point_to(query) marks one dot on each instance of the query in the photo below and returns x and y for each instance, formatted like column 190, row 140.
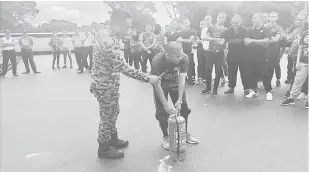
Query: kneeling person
column 175, row 65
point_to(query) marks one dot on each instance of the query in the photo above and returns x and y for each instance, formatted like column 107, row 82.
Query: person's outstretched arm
column 106, row 51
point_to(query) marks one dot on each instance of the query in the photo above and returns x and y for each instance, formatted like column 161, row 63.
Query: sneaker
column 278, row 83
column 53, row 68
column 37, row 72
column 206, row 91
column 252, row 94
column 229, row 91
column 58, row 67
column 306, row 106
column 269, row 96
column 165, row 143
column 26, row 72
column 288, row 102
column 287, row 94
column 65, row 66
column 302, row 96
column 246, row 92
column 214, row 92
column 15, row 74
column 191, row 139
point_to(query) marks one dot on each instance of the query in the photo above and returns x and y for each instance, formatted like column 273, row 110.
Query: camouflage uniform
column 107, row 65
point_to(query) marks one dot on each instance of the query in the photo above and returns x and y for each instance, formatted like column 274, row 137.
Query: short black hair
column 119, row 15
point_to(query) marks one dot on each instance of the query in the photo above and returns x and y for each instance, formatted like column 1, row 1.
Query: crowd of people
column 254, row 51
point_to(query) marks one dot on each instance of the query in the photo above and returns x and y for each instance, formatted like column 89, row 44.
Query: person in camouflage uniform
column 107, row 65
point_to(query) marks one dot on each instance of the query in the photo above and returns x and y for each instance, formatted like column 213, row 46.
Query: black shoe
column 107, row 151
column 288, row 102
column 288, row 81
column 278, row 83
column 80, row 72
column 229, row 91
column 206, row 91
column 118, row 143
column 71, row 67
column 287, row 94
column 53, row 68
column 306, row 106
column 15, row 74
column 65, row 66
column 214, row 92
column 26, row 72
column 37, row 72
column 58, row 67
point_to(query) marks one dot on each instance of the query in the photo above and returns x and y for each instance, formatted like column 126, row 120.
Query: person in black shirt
column 186, row 38
column 234, row 36
column 257, row 42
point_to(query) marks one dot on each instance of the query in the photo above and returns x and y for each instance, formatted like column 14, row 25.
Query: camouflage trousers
column 108, row 116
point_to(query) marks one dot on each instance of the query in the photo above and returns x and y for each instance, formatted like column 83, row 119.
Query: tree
column 141, row 12
column 13, row 13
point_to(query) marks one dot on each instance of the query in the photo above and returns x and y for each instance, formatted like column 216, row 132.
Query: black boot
column 117, row 143
column 109, row 152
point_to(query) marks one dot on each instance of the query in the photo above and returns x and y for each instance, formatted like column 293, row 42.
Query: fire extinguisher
column 177, row 137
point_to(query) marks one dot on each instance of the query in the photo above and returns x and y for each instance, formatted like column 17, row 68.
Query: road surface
column 49, row 123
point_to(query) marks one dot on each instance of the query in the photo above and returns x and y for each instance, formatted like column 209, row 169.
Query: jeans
column 290, row 68
column 56, row 55
column 65, row 54
column 127, row 56
column 137, row 59
column 299, row 80
column 201, row 58
column 9, row 55
column 78, row 51
column 145, row 58
column 215, row 58
column 27, row 56
column 88, row 51
column 191, row 67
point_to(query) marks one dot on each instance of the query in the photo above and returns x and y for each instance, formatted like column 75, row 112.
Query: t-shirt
column 304, row 51
column 295, row 38
column 187, row 47
column 55, row 42
column 236, row 50
column 77, row 41
column 66, row 43
column 147, row 38
column 215, row 32
column 8, row 41
column 160, row 64
column 255, row 52
column 26, row 42
column 274, row 48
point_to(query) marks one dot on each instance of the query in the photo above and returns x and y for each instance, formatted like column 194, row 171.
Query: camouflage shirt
column 108, row 63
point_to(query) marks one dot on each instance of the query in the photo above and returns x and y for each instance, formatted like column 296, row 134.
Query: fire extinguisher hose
column 178, row 136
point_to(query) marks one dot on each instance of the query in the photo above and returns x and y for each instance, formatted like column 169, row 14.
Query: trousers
column 299, row 80
column 65, row 54
column 232, row 70
column 257, row 70
column 162, row 116
column 27, row 56
column 215, row 58
column 9, row 55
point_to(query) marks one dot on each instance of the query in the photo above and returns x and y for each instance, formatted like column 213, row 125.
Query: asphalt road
column 49, row 123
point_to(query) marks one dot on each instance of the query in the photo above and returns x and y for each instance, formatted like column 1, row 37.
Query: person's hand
column 247, row 41
column 154, row 80
column 178, row 106
column 298, row 66
column 148, row 51
column 170, row 109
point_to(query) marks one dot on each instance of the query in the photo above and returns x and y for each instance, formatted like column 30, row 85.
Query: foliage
column 141, row 11
column 14, row 13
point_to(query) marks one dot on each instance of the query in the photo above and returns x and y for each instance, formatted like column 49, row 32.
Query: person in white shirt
column 8, row 51
column 66, row 49
column 78, row 50
column 88, row 41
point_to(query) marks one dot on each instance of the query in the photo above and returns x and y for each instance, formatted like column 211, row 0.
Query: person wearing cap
column 26, row 44
column 175, row 64
column 8, row 51
column 107, row 65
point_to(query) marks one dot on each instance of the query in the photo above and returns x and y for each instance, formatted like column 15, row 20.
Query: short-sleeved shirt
column 215, row 32
column 235, row 50
column 295, row 38
column 26, row 42
column 66, row 43
column 55, row 42
column 255, row 52
column 147, row 38
column 160, row 64
column 274, row 48
column 187, row 47
column 304, row 51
